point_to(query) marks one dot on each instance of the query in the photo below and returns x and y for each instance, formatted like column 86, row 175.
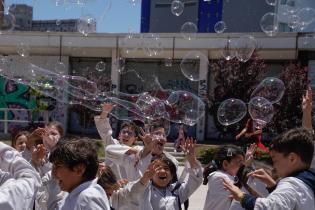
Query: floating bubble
column 293, row 21
column 179, row 107
column 189, row 31
column 86, row 25
column 228, row 52
column 245, row 46
column 8, row 156
column 119, row 64
column 23, row 49
column 220, row 27
column 191, row 64
column 306, row 16
column 128, row 43
column 152, row 44
column 168, row 62
column 100, row 66
column 261, row 111
column 231, row 111
column 271, row 2
column 151, row 107
column 58, row 22
column 60, row 68
column 8, row 22
column 269, row 23
column 270, row 88
column 177, row 7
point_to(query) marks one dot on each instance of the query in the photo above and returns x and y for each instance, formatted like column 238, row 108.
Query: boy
column 127, row 137
column 18, row 180
column 292, row 154
column 75, row 166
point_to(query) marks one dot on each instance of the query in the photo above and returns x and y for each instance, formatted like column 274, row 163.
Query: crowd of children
column 47, row 172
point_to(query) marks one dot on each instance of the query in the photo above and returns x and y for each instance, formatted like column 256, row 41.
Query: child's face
column 67, row 178
column 127, row 136
column 163, row 177
column 52, row 137
column 20, row 143
column 281, row 163
column 159, row 140
column 232, row 167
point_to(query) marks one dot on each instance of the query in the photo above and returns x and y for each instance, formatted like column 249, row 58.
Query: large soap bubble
column 245, row 46
column 177, row 7
column 231, row 111
column 189, row 31
column 220, row 27
column 261, row 111
column 306, row 16
column 191, row 64
column 270, row 88
column 129, row 43
column 269, row 23
column 228, row 52
column 151, row 107
column 8, row 22
column 86, row 25
column 152, row 44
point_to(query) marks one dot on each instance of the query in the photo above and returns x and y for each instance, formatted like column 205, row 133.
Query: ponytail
column 225, row 152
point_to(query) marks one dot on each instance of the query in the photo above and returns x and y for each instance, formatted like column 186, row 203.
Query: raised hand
column 307, row 100
column 38, row 155
column 106, row 108
column 145, row 137
column 37, row 134
column 249, row 156
column 152, row 169
column 262, row 175
column 188, row 146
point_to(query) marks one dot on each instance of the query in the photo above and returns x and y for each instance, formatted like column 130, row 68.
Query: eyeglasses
column 127, row 132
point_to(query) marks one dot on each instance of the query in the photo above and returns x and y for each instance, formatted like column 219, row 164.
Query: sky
column 112, row 16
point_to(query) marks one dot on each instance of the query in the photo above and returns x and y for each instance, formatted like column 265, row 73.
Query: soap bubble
column 86, row 25
column 100, row 66
column 220, row 27
column 189, row 31
column 191, row 64
column 231, row 111
column 261, row 111
column 177, row 7
column 245, row 46
column 269, row 23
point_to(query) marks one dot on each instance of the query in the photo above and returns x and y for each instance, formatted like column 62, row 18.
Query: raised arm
column 307, row 105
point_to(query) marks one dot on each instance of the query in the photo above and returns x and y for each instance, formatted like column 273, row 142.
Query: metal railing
column 6, row 121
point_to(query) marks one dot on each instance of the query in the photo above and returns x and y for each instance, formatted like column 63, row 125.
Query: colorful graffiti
column 15, row 96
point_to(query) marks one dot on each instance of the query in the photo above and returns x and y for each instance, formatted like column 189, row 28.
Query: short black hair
column 72, row 153
column 170, row 164
column 131, row 126
column 298, row 141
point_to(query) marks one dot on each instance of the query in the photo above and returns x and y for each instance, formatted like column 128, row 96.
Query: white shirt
column 87, row 196
column 18, row 190
column 291, row 193
column 218, row 197
column 155, row 199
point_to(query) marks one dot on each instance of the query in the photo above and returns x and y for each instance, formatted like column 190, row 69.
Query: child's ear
column 225, row 164
column 293, row 157
column 79, row 169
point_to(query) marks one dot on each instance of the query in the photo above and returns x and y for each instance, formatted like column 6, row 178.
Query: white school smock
column 153, row 199
column 18, row 191
column 128, row 197
column 87, row 196
column 105, row 131
column 291, row 193
column 133, row 166
column 218, row 197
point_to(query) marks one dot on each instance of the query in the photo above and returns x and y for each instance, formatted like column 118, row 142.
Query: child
column 19, row 140
column 225, row 165
column 292, row 154
column 18, row 180
column 75, row 166
column 127, row 137
column 162, row 192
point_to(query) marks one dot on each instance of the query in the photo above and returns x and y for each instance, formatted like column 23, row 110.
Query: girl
column 225, row 165
column 19, row 140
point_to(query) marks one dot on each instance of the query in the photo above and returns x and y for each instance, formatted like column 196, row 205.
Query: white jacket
column 218, row 197
column 105, row 131
column 133, row 166
column 20, row 184
column 153, row 199
column 291, row 193
column 87, row 196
